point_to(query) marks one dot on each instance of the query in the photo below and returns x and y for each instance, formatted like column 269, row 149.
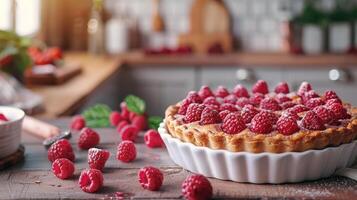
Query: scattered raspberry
column 230, row 99
column 140, row 122
column 228, row 106
column 211, row 101
column 297, row 109
column 287, row 125
column 132, row 115
column 209, row 116
column 124, row 111
column 221, row 92
column 194, row 112
column 129, row 132
column 263, row 122
column 248, row 112
column 60, row 149
column 153, row 139
column 126, row 151
column 205, row 92
column 288, row 104
column 282, row 87
column 183, row 107
column 115, row 117
column 63, row 168
column 281, row 98
column 88, row 139
column 256, row 99
column 314, row 102
column 150, row 178
column 78, row 123
column 312, row 122
column 240, row 91
column 339, row 111
column 304, row 87
column 260, row 87
column 121, row 125
column 3, row 117
column 193, row 97
column 309, row 95
column 90, row 180
column 270, row 104
column 242, row 101
column 233, row 123
column 325, row 114
column 97, row 158
column 329, row 94
column 223, row 114
column 197, row 187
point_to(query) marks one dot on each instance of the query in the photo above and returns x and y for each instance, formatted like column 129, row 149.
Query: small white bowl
column 10, row 132
column 259, row 167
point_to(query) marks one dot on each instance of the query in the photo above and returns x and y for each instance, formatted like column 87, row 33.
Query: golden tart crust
column 213, row 137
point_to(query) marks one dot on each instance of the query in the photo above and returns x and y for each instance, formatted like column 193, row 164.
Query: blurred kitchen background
column 60, row 56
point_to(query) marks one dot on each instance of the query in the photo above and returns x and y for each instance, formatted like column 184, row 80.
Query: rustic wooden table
column 33, row 179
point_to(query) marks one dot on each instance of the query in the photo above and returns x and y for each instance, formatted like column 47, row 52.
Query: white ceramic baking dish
column 259, row 167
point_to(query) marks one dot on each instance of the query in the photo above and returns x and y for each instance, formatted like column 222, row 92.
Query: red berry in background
column 270, row 104
column 97, row 158
column 183, row 107
column 78, row 122
column 223, row 114
column 193, row 97
column 60, row 149
column 288, row 104
column 115, row 117
column 221, row 92
column 329, row 94
column 256, row 98
column 121, row 125
column 150, row 178
column 287, row 125
column 124, row 111
column 211, row 101
column 282, row 87
column 282, row 98
column 339, row 111
column 260, row 87
column 209, row 116
column 233, row 123
column 129, row 132
column 314, row 102
column 248, row 112
column 153, row 139
column 309, row 95
column 132, row 115
column 230, row 99
column 312, row 121
column 6, row 60
column 3, row 117
column 63, row 168
column 88, row 139
column 197, row 187
column 304, row 87
column 54, row 53
column 194, row 112
column 297, row 109
column 242, row 101
column 263, row 122
column 325, row 114
column 126, row 151
column 205, row 92
column 90, row 180
column 228, row 106
column 240, row 91
column 140, row 122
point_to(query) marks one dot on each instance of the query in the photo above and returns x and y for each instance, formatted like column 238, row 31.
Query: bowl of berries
column 10, row 129
column 261, row 136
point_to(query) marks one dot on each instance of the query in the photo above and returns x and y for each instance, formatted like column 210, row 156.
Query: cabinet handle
column 340, row 75
column 245, row 75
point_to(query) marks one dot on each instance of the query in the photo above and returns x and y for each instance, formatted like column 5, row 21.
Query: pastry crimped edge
column 212, row 137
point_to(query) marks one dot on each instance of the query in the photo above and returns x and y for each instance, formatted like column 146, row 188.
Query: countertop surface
column 33, row 179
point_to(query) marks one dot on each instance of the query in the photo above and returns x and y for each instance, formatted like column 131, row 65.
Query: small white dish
column 10, row 132
column 259, row 167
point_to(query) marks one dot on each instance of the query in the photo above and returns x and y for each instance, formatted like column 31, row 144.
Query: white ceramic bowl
column 259, row 167
column 10, row 132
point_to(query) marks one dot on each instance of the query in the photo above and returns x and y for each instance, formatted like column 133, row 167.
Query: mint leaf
column 154, row 122
column 135, row 104
column 97, row 116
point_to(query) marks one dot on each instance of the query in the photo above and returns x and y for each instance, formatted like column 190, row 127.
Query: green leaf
column 154, row 122
column 97, row 116
column 135, row 104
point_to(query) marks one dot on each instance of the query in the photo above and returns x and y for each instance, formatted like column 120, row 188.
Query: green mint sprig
column 135, row 104
column 97, row 116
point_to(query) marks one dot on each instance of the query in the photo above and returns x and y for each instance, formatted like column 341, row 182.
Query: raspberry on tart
column 261, row 87
column 240, row 91
column 205, row 92
column 221, row 92
column 282, row 87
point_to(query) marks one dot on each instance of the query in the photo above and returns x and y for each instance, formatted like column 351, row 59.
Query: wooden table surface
column 33, row 179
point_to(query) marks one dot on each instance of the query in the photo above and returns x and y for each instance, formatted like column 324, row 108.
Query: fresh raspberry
column 309, row 95
column 140, row 122
column 193, row 97
column 194, row 112
column 209, row 116
column 304, row 87
column 332, row 101
column 205, row 92
column 150, row 178
column 314, row 102
column 281, row 98
column 115, row 117
column 291, row 115
column 197, row 187
column 88, row 138
column 126, row 151
column 221, row 92
column 153, row 139
column 3, row 117
column 211, row 101
column 97, row 158
column 256, row 99
column 260, row 87
column 90, row 180
column 312, row 121
column 132, row 115
column 233, row 123
column 124, row 111
column 248, row 112
column 230, row 99
column 183, row 107
column 287, row 125
column 223, row 114
column 240, row 91
column 129, row 132
column 242, row 101
column 263, row 122
column 329, row 94
column 228, row 106
column 270, row 104
column 339, row 111
column 282, row 87
column 77, row 123
column 297, row 109
column 121, row 125
column 288, row 104
column 325, row 114
column 60, row 149
column 63, row 168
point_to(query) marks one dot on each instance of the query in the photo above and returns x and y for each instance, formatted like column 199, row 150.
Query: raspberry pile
column 263, row 112
column 3, row 118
